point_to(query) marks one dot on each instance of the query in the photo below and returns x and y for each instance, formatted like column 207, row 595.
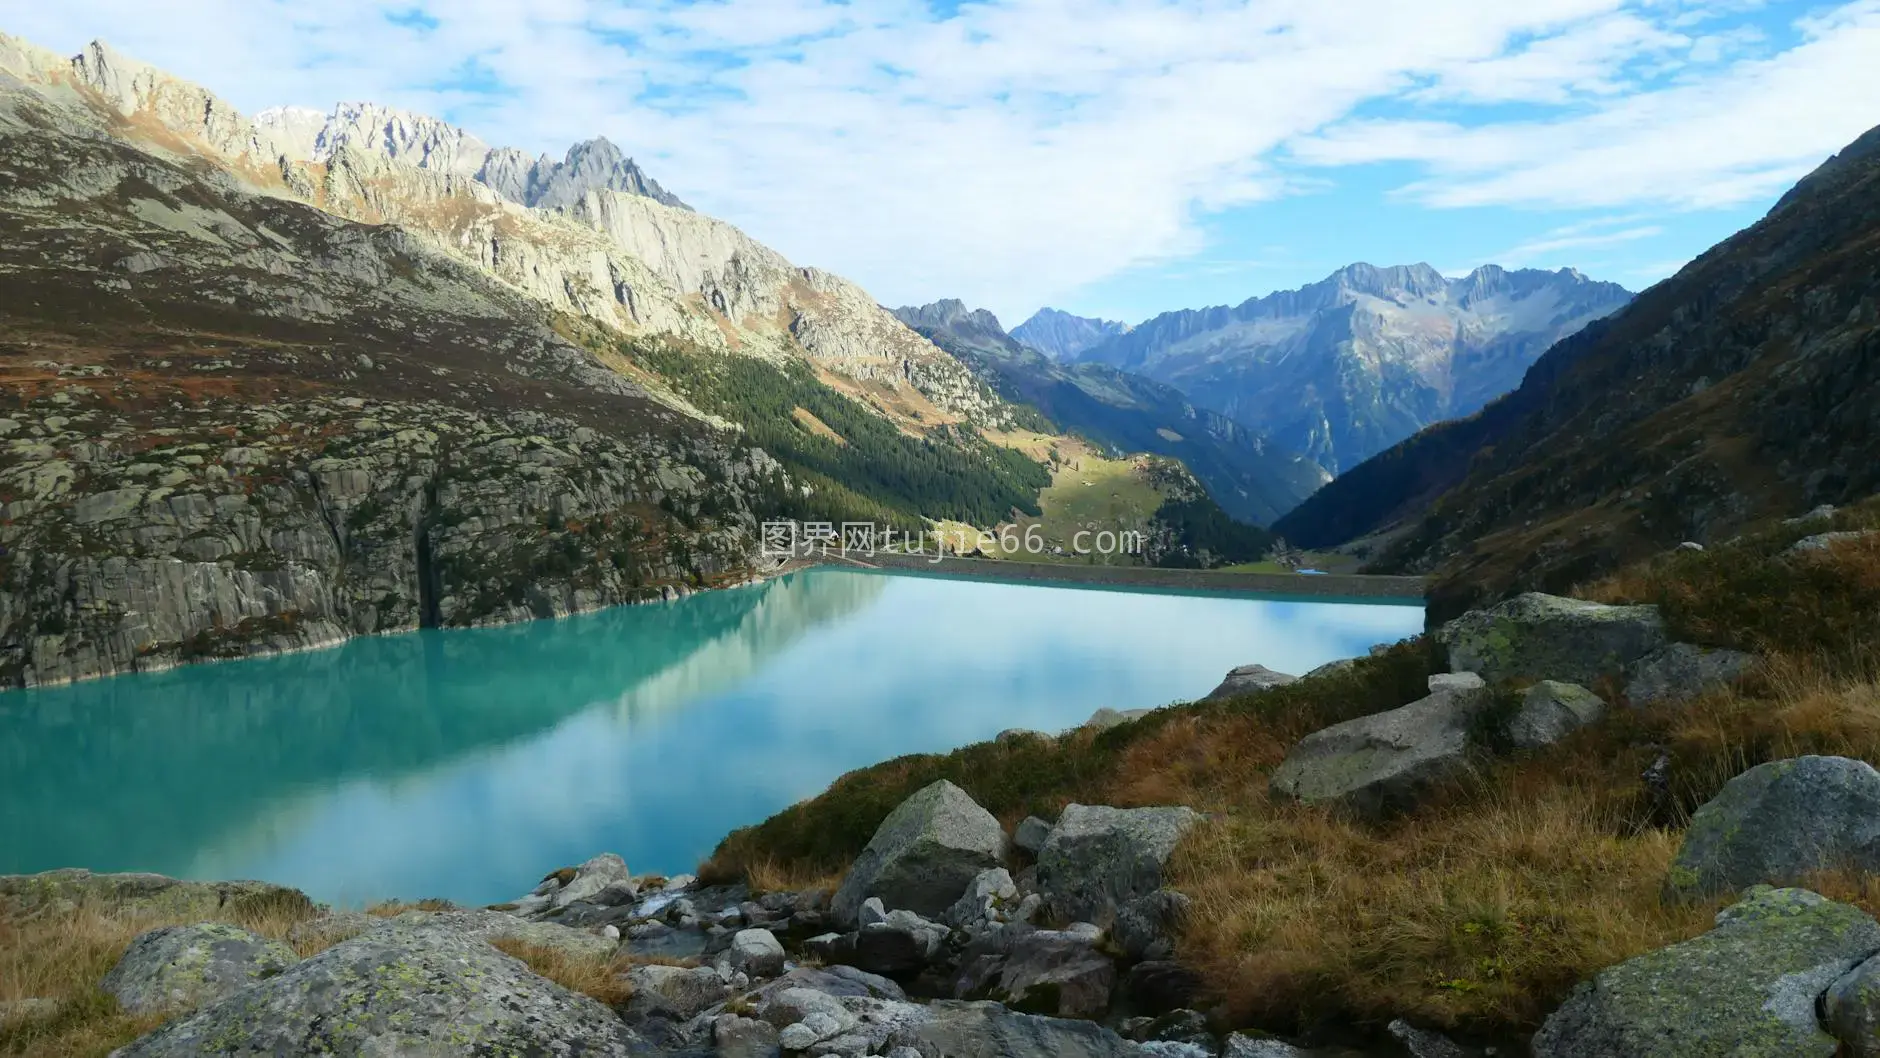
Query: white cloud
column 1021, row 149
column 1546, row 250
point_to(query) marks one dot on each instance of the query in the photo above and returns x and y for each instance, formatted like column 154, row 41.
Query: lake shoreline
column 1407, row 590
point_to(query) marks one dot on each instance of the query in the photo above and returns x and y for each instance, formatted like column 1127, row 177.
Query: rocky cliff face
column 1741, row 388
column 1347, row 367
column 233, row 423
column 1250, row 477
column 1061, row 336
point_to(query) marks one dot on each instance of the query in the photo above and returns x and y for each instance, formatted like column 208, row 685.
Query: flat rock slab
column 1778, row 823
column 1382, row 763
column 405, row 991
column 1549, row 637
column 1746, row 989
column 185, row 967
column 988, row 1030
column 1249, row 679
column 1681, row 671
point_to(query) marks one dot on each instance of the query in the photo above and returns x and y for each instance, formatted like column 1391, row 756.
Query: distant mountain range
column 1250, row 477
column 1742, row 388
column 1346, row 367
column 1061, row 336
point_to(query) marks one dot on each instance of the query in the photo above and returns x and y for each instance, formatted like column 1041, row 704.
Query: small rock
column 1249, row 679
column 757, row 952
column 980, row 904
column 871, row 912
column 1455, row 682
column 1383, row 763
column 1240, row 1045
column 797, row 1037
column 741, row 1037
column 1098, row 858
column 597, row 875
column 1422, row 1043
column 674, row 991
column 1550, row 711
column 1030, row 834
column 1690, row 545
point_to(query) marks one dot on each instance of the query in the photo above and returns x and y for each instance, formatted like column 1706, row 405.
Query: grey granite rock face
column 1748, row 988
column 1378, row 764
column 1548, row 637
column 407, row 991
column 1099, row 859
column 1680, row 671
column 924, row 854
column 185, row 967
column 1778, row 823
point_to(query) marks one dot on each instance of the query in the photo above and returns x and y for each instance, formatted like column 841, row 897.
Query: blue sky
column 1110, row 157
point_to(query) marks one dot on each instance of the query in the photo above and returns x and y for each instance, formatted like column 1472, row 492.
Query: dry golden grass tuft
column 604, row 979
column 769, row 875
column 62, row 956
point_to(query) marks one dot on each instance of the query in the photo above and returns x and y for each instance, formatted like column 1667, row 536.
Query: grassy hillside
column 1482, row 908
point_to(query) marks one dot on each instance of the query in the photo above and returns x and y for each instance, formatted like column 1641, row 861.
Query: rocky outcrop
column 1681, row 671
column 989, row 1030
column 61, row 891
column 924, row 854
column 1379, row 764
column 406, row 990
column 1547, row 637
column 1748, row 987
column 1550, row 711
column 185, row 967
column 1106, row 866
column 1248, row 679
column 1778, row 823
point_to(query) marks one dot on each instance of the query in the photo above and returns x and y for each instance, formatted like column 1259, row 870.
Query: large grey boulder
column 1778, row 823
column 1547, row 637
column 990, row 1030
column 405, row 991
column 1746, row 989
column 1248, row 679
column 1383, row 763
column 185, row 967
column 677, row 992
column 756, row 952
column 1099, row 858
column 1550, row 711
column 899, row 945
column 1680, row 671
column 1030, row 834
column 924, row 855
column 1851, row 1009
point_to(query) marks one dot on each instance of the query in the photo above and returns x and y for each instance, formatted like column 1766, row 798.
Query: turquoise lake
column 466, row 764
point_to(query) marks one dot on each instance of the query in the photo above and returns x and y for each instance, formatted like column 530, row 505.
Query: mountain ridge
column 1345, row 367
column 1061, row 335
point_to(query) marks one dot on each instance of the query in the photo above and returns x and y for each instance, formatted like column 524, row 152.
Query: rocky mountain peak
column 952, row 315
column 1062, row 336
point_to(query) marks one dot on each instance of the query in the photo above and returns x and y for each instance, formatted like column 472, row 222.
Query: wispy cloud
column 1012, row 151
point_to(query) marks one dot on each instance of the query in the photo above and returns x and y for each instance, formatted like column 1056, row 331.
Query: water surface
column 465, row 764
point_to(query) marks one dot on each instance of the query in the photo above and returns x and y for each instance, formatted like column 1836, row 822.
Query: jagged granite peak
column 1061, row 336
column 1739, row 390
column 1251, row 479
column 1346, row 367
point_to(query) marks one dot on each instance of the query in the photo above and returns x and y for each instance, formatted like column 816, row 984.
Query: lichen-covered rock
column 1547, row 637
column 1550, row 711
column 1378, row 764
column 1098, row 858
column 185, row 967
column 1681, row 671
column 1031, row 834
column 989, row 1030
column 1247, row 679
column 677, row 992
column 1747, row 988
column 924, row 854
column 144, row 893
column 402, row 991
column 1778, row 823
column 1851, row 1009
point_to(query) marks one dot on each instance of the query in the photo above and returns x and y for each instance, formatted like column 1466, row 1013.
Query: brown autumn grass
column 63, row 956
column 604, row 979
column 1482, row 909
